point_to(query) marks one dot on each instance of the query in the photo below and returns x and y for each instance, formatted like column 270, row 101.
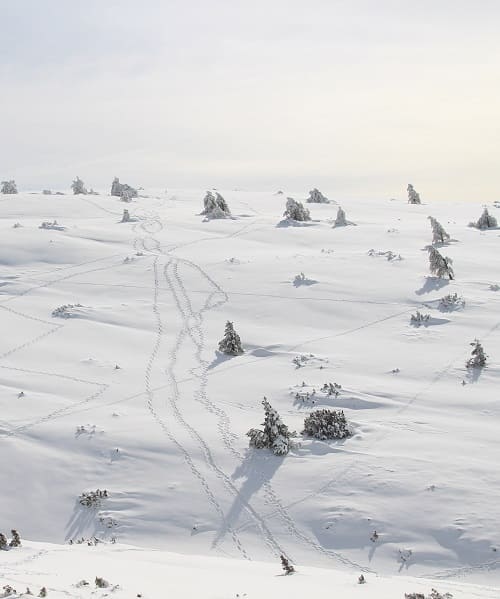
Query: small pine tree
column 413, row 196
column 126, row 216
column 215, row 206
column 340, row 221
column 478, row 359
column 439, row 235
column 221, row 203
column 316, row 197
column 275, row 435
column 486, row 221
column 78, row 187
column 9, row 187
column 440, row 265
column 16, row 539
column 116, row 187
column 3, row 541
column 43, row 592
column 296, row 211
column 286, row 565
column 231, row 343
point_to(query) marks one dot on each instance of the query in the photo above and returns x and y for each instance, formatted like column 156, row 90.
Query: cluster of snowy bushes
column 93, row 498
column 276, row 436
column 15, row 540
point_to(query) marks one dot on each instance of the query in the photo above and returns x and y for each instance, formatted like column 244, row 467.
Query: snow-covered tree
column 486, row 221
column 126, row 216
column 3, row 541
column 413, row 196
column 316, row 197
column 9, row 187
column 439, row 235
column 478, row 359
column 340, row 220
column 215, row 206
column 78, row 186
column 16, row 539
column 296, row 211
column 116, row 187
column 326, row 424
column 231, row 343
column 286, row 565
column 440, row 265
column 123, row 190
column 275, row 435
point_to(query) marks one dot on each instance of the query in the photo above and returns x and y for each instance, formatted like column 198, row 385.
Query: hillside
column 126, row 392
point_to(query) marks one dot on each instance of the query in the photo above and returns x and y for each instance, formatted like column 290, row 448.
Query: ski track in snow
column 196, row 333
column 193, row 323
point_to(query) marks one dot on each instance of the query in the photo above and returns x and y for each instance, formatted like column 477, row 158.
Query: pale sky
column 356, row 97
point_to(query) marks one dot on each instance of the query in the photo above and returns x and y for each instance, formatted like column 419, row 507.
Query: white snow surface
column 164, row 433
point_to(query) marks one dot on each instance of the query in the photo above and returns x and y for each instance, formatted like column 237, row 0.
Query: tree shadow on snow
column 220, row 358
column 82, row 523
column 257, row 468
column 473, row 374
column 288, row 222
column 430, row 323
column 432, row 284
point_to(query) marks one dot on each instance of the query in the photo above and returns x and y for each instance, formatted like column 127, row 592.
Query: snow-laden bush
column 123, row 190
column 331, row 389
column 326, row 424
column 301, row 279
column 215, row 206
column 413, row 196
column 231, row 343
column 54, row 225
column 78, row 186
column 316, row 197
column 418, row 318
column 486, row 221
column 3, row 541
column 274, row 436
column 92, row 498
column 478, row 358
column 450, row 302
column 389, row 254
column 125, row 216
column 9, row 187
column 295, row 211
column 66, row 311
column 440, row 265
column 439, row 235
column 433, row 595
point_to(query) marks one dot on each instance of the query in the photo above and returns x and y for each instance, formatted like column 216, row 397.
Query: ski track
column 194, row 331
column 151, row 225
column 223, row 420
column 151, row 406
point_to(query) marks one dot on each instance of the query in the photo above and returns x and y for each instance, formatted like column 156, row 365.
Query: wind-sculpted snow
column 111, row 378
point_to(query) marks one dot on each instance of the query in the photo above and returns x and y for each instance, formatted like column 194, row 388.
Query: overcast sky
column 357, row 97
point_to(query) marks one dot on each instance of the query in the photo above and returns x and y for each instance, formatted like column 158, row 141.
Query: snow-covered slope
column 132, row 572
column 128, row 393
